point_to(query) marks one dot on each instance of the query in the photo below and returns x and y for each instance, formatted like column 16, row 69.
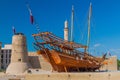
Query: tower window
column 19, row 59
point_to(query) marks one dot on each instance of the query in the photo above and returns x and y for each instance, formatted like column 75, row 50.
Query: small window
column 6, row 51
column 6, row 55
column 29, row 71
column 37, row 70
column 10, row 55
column 2, row 61
column 1, row 55
column 19, row 59
column 9, row 60
column 6, row 61
column 10, row 51
column 2, row 51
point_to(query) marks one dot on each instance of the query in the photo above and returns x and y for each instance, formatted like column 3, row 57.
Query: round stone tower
column 19, row 55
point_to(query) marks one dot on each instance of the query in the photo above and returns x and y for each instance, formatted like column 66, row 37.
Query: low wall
column 37, row 61
column 75, row 76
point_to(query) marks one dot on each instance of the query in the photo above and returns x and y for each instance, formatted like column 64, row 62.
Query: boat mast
column 72, row 23
column 89, row 17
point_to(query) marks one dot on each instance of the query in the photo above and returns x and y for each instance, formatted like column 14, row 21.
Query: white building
column 5, row 56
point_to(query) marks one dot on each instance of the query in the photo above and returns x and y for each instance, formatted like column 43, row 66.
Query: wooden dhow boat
column 64, row 56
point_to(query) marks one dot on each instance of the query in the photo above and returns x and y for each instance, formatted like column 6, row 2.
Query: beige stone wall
column 37, row 61
column 75, row 76
column 111, row 64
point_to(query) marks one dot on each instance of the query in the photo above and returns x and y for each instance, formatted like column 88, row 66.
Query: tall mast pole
column 72, row 23
column 89, row 17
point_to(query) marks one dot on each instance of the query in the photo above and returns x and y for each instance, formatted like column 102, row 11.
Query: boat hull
column 66, row 63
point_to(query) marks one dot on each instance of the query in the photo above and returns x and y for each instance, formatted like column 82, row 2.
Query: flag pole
column 32, row 19
column 14, row 31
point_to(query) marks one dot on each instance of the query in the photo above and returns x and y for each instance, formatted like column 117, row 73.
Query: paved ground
column 10, row 77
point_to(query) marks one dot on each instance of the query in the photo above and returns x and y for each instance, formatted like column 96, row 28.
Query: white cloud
column 97, row 45
column 115, row 50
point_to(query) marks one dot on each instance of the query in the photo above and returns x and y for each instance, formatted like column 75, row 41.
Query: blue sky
column 51, row 14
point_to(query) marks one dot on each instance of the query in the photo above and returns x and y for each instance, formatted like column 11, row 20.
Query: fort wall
column 75, row 76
